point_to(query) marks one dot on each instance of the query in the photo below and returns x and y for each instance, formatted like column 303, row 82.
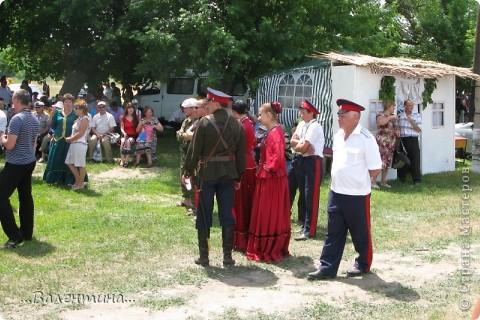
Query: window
column 180, row 85
column 438, row 115
column 376, row 106
column 239, row 89
column 292, row 91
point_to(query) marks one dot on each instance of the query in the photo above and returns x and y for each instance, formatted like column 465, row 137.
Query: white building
column 358, row 78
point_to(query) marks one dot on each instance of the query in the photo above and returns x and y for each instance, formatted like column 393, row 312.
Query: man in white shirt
column 306, row 172
column 102, row 125
column 356, row 158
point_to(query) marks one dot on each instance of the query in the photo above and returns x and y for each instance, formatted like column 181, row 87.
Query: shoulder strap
column 220, row 133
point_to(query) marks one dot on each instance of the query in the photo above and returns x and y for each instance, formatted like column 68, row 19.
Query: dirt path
column 269, row 290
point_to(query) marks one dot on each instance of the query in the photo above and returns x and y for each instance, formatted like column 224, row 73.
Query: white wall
column 437, row 145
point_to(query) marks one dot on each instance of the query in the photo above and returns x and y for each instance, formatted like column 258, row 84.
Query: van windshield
column 180, row 86
column 239, row 89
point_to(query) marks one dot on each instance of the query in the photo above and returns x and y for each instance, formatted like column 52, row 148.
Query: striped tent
column 311, row 80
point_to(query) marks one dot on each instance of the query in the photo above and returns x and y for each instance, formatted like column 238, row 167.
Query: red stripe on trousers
column 315, row 198
column 370, row 246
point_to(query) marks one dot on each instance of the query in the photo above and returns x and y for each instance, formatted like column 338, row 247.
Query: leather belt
column 221, row 158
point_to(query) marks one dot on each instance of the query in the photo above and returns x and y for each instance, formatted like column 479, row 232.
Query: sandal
column 385, row 185
column 375, row 186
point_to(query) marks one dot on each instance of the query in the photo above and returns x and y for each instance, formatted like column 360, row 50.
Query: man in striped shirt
column 17, row 173
column 410, row 130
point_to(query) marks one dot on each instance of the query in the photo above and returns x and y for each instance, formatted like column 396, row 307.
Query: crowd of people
column 218, row 139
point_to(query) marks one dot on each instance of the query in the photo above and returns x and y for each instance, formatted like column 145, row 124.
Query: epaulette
column 365, row 132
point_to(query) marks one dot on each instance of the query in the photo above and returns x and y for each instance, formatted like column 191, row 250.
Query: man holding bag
column 410, row 123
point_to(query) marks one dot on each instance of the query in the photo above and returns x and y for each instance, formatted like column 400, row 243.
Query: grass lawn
column 124, row 236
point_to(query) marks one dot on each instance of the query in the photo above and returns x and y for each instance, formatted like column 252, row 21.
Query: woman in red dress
column 244, row 196
column 269, row 232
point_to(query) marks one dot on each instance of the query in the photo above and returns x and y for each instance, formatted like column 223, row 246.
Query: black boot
column 227, row 239
column 203, row 236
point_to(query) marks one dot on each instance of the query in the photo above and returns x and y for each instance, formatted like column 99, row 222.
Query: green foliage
column 387, row 88
column 430, row 86
column 435, row 30
column 235, row 41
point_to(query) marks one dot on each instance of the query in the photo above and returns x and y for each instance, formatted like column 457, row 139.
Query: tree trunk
column 74, row 81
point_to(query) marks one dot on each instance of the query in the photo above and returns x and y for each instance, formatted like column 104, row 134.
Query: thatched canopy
column 409, row 68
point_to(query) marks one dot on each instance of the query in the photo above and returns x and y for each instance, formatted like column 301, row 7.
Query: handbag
column 400, row 156
column 97, row 152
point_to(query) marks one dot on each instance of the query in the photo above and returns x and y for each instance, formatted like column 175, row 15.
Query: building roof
column 409, row 68
column 305, row 66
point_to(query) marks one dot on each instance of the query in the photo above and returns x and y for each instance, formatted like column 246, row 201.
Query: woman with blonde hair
column 78, row 140
column 269, row 232
column 387, row 135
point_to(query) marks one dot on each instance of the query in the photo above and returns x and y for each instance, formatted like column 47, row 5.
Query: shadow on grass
column 372, row 282
column 34, row 249
column 84, row 191
column 243, row 276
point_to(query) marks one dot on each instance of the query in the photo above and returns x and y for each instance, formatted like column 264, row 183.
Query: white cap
column 101, row 102
column 189, row 103
column 135, row 101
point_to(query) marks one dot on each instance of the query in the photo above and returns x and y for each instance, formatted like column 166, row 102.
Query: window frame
column 379, row 108
column 440, row 111
column 293, row 89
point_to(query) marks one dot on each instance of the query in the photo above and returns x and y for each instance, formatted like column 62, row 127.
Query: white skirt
column 77, row 154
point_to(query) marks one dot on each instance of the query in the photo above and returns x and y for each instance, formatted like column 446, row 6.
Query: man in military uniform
column 355, row 160
column 216, row 156
column 306, row 172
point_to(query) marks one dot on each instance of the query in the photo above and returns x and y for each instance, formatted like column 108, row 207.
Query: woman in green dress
column 57, row 171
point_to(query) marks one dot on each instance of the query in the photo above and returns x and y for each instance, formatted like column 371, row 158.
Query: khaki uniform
column 206, row 139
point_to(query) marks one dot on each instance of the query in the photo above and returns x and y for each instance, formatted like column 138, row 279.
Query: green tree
column 60, row 38
column 238, row 40
column 436, row 30
column 234, row 40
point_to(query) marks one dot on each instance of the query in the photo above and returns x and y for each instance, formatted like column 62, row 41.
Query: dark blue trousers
column 413, row 150
column 306, row 175
column 17, row 177
column 224, row 190
column 347, row 213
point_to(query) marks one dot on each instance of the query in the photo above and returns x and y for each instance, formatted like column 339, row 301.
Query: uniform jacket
column 206, row 139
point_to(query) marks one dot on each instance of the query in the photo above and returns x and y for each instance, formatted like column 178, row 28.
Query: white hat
column 134, row 101
column 189, row 103
column 58, row 105
column 101, row 102
column 39, row 103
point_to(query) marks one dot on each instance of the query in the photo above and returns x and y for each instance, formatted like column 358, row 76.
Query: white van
column 166, row 97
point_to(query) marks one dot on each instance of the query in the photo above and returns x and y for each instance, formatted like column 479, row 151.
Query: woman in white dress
column 76, row 156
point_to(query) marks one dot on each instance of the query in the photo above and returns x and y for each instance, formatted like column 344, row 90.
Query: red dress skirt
column 269, row 233
column 242, row 208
